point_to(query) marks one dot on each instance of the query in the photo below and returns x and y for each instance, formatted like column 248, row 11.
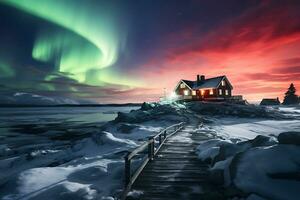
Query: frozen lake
column 22, row 126
column 58, row 114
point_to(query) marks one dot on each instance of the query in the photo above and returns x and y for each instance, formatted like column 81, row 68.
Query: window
column 202, row 92
column 226, row 92
column 186, row 92
column 220, row 91
column 182, row 85
column 194, row 93
column 211, row 91
column 223, row 83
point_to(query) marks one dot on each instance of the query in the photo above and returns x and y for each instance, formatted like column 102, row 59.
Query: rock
column 147, row 106
column 225, row 109
column 291, row 137
column 262, row 140
column 255, row 197
column 233, row 192
column 126, row 128
column 133, row 117
column 151, row 111
column 229, row 149
column 216, row 177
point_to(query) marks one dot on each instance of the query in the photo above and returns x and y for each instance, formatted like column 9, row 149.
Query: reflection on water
column 23, row 126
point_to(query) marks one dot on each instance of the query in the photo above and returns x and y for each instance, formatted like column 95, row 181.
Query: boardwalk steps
column 176, row 172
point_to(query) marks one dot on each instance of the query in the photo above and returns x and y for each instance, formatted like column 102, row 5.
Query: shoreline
column 69, row 105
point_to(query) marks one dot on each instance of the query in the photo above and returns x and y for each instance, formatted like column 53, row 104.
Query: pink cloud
column 258, row 51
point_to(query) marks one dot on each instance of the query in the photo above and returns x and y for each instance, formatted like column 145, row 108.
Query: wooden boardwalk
column 176, row 172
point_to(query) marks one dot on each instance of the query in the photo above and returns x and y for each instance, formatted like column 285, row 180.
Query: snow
column 135, row 194
column 252, row 159
column 77, row 153
column 210, row 149
column 256, row 167
column 72, row 153
column 250, row 128
column 36, row 164
column 35, row 99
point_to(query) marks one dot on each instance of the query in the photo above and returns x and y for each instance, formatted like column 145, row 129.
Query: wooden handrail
column 162, row 136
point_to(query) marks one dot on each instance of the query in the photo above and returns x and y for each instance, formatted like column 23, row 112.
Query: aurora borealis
column 128, row 51
column 78, row 46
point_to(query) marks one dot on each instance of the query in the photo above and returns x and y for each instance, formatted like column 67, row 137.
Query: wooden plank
column 198, row 170
column 174, row 162
column 172, row 179
column 176, row 172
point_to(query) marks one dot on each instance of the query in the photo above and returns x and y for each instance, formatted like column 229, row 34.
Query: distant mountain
column 21, row 98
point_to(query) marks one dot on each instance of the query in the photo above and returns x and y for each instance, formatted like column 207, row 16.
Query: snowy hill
column 21, row 98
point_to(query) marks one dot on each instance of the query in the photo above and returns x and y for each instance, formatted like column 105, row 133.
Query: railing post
column 152, row 149
column 160, row 141
column 127, row 170
column 165, row 134
column 150, row 155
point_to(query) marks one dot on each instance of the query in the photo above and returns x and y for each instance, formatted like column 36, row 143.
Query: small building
column 216, row 88
column 270, row 102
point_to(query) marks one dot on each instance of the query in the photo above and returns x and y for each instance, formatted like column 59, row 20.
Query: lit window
column 186, row 92
column 211, row 91
column 202, row 92
column 182, row 85
column 223, row 83
column 220, row 91
column 226, row 92
column 193, row 92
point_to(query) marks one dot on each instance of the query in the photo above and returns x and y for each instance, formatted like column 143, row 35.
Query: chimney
column 198, row 79
column 202, row 78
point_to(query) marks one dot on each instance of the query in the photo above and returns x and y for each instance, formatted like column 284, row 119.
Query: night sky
column 130, row 50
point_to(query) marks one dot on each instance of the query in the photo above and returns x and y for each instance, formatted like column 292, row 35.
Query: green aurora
column 6, row 71
column 85, row 46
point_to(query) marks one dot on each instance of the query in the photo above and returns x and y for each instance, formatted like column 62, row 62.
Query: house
column 270, row 102
column 217, row 88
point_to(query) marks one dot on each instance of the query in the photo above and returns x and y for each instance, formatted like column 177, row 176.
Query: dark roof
column 191, row 84
column 270, row 102
column 207, row 83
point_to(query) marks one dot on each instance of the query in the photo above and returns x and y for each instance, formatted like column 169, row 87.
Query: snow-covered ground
column 250, row 128
column 258, row 158
column 59, row 153
column 72, row 153
column 77, row 153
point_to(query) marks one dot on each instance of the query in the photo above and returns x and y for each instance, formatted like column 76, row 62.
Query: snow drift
column 263, row 167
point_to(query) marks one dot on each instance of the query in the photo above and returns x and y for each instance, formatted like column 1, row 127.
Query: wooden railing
column 153, row 145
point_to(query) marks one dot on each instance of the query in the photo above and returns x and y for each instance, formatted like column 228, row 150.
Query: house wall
column 180, row 91
column 206, row 95
column 224, row 88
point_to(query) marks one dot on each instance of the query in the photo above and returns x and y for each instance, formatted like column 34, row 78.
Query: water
column 24, row 126
column 42, row 149
column 44, row 114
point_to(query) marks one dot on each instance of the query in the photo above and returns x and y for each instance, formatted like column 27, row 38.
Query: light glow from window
column 223, row 83
column 182, row 85
column 226, row 92
column 186, row 92
column 194, row 93
column 220, row 91
column 211, row 91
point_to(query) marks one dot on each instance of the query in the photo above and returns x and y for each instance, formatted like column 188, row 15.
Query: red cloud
column 252, row 50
